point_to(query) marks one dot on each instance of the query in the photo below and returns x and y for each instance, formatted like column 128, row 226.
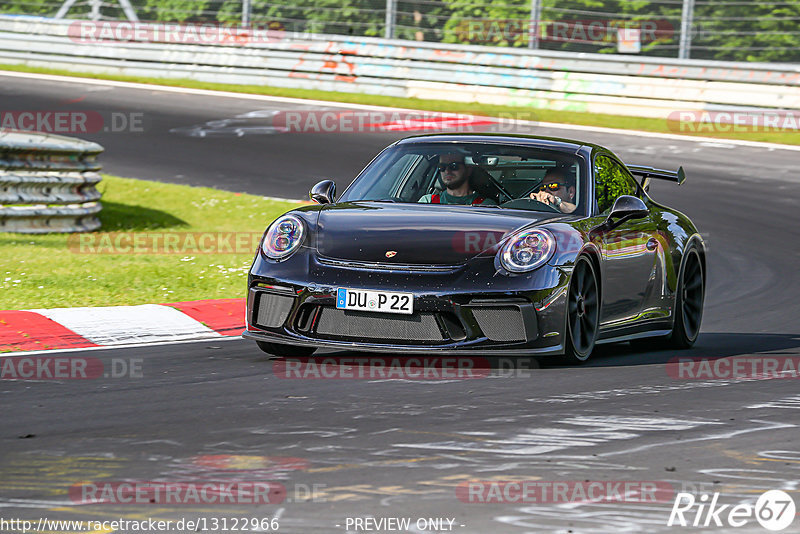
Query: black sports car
column 480, row 244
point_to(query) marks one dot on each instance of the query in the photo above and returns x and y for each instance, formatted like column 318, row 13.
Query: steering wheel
column 538, row 203
column 530, row 203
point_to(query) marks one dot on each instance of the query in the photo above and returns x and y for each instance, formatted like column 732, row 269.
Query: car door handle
column 652, row 244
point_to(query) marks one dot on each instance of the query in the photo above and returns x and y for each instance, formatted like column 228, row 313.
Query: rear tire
column 286, row 351
column 583, row 313
column 688, row 302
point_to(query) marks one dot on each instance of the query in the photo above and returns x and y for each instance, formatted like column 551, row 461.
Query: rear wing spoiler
column 649, row 172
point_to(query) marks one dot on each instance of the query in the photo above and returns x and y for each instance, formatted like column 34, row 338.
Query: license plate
column 375, row 301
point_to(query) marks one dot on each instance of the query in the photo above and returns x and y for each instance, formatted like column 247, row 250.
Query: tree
column 501, row 24
column 344, row 17
column 730, row 30
column 176, row 10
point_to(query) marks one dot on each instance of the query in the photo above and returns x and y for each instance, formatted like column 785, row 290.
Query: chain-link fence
column 734, row 30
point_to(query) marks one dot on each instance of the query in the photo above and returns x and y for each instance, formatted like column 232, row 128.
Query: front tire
column 583, row 313
column 286, row 351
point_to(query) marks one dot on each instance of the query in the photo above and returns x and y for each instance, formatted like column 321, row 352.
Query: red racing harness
column 436, row 199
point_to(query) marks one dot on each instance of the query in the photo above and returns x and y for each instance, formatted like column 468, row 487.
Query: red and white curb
column 71, row 328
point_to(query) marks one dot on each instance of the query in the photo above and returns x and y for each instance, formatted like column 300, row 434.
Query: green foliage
column 176, row 10
column 420, row 20
column 611, row 181
column 343, row 17
column 504, row 24
column 736, row 31
column 30, row 7
column 568, row 25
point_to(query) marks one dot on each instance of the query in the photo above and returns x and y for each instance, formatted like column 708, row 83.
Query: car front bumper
column 471, row 310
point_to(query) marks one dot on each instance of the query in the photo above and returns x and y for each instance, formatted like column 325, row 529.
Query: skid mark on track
column 48, row 474
column 791, row 402
column 655, row 389
column 764, row 426
column 597, row 518
column 582, row 431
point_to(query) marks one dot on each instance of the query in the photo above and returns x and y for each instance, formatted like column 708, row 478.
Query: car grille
column 366, row 325
column 398, row 267
column 271, row 310
column 500, row 323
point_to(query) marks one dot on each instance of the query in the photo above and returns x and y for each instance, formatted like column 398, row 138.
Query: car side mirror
column 324, row 192
column 628, row 207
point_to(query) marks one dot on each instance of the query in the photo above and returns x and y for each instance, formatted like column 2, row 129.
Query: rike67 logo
column 774, row 510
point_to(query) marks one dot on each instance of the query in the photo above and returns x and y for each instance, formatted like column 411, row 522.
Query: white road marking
column 120, row 325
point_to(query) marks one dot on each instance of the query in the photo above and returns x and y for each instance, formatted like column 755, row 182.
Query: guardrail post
column 533, row 30
column 246, row 10
column 390, row 19
column 687, row 15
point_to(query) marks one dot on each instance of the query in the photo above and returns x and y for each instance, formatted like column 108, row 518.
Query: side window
column 611, row 180
column 412, row 182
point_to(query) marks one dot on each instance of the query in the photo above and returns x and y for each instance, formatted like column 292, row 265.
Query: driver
column 557, row 191
column 455, row 177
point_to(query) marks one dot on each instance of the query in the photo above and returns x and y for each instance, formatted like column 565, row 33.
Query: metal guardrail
column 595, row 83
column 47, row 183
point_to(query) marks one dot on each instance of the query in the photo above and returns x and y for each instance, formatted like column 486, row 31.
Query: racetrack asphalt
column 392, row 448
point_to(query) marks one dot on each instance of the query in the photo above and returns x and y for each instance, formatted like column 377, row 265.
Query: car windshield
column 508, row 176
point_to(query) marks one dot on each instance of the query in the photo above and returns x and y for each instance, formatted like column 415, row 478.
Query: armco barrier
column 596, row 83
column 47, row 183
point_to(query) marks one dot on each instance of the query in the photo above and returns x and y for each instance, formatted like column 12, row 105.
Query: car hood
column 421, row 234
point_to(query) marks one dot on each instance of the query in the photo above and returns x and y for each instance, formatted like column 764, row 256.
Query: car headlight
column 527, row 250
column 283, row 237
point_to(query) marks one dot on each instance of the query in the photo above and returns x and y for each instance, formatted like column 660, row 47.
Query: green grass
column 528, row 113
column 54, row 270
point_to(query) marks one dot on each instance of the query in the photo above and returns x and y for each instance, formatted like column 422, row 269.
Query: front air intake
column 353, row 324
column 504, row 321
column 271, row 310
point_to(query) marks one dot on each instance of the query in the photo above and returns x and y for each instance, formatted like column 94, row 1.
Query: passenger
column 557, row 191
column 455, row 175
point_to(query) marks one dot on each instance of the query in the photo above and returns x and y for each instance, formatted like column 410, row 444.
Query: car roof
column 537, row 141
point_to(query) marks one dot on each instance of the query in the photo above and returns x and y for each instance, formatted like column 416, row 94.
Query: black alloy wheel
column 688, row 302
column 583, row 312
